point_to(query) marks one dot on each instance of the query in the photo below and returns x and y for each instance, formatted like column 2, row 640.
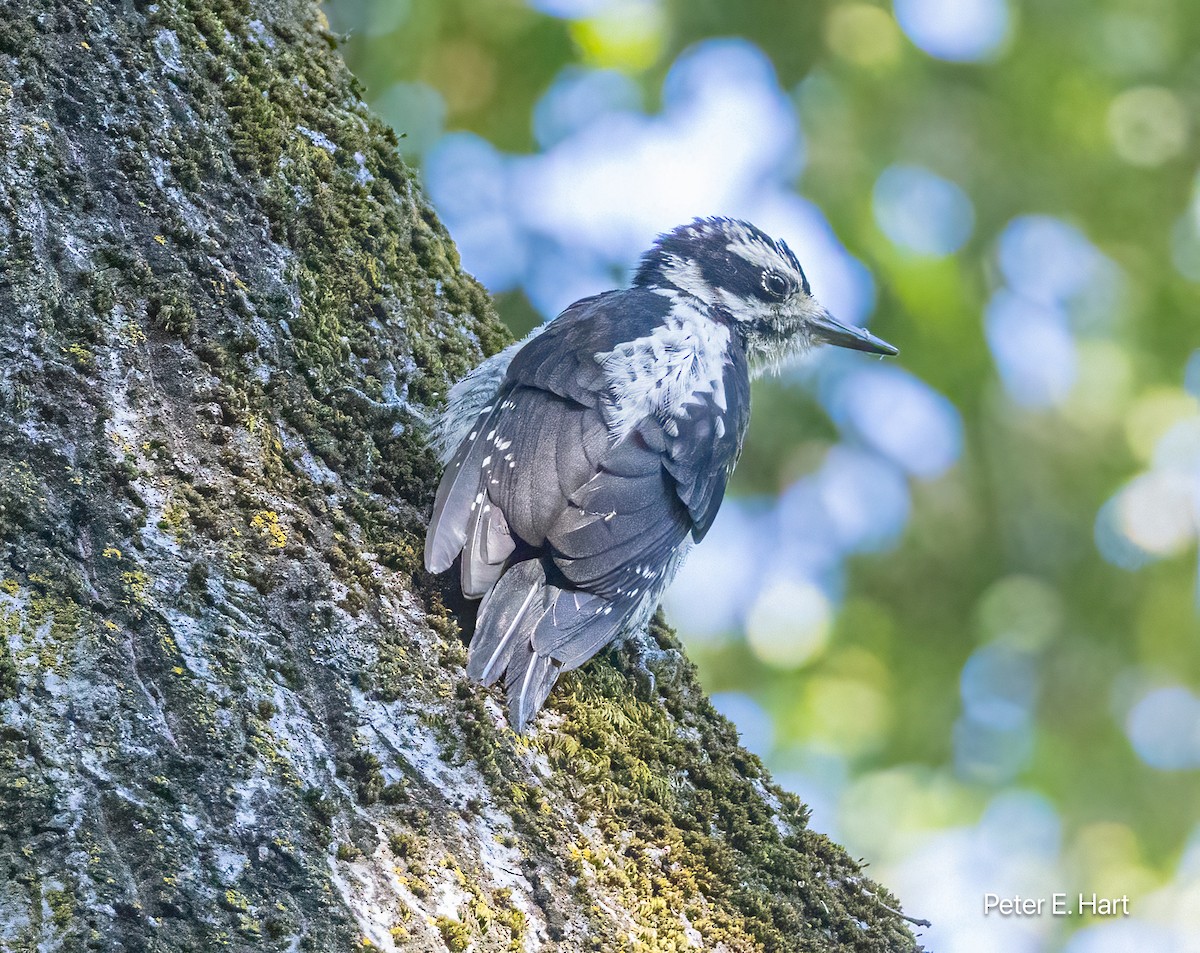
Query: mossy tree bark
column 233, row 712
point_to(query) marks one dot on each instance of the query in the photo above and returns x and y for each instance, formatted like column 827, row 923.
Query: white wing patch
column 659, row 375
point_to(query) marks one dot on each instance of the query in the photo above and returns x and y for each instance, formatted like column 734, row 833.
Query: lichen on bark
column 233, row 711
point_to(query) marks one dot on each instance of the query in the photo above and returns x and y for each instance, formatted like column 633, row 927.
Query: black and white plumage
column 582, row 462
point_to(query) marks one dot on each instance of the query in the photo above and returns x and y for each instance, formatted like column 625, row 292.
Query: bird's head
column 731, row 265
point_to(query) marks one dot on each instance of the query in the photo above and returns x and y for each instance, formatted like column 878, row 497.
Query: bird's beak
column 829, row 331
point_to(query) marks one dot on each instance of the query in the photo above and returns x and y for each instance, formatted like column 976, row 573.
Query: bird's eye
column 775, row 284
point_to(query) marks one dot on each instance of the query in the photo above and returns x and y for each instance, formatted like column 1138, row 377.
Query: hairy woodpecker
column 583, row 461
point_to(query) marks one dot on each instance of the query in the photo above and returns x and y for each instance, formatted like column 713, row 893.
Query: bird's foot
column 654, row 663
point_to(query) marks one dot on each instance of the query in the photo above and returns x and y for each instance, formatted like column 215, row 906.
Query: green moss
column 375, row 275
column 23, row 499
column 62, row 907
column 511, row 919
column 362, row 768
column 373, row 280
column 171, row 310
column 232, row 900
column 8, row 671
column 455, row 934
column 405, row 844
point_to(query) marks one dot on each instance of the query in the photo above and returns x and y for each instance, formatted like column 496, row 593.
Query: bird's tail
column 502, row 647
column 529, row 631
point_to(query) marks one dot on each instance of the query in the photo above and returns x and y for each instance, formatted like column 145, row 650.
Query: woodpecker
column 583, row 462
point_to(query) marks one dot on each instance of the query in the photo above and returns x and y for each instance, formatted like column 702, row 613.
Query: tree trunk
column 233, row 711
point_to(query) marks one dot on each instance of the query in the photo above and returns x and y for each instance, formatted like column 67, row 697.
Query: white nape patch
column 684, row 274
column 658, row 375
column 745, row 244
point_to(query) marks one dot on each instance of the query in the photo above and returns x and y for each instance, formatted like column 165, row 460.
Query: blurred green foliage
column 1007, row 534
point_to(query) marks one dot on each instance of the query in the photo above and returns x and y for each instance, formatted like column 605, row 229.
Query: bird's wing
column 698, row 446
column 605, row 522
column 464, row 520
column 530, row 435
column 459, row 495
column 620, row 527
column 467, row 399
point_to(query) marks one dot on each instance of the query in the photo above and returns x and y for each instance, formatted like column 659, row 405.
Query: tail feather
column 528, row 681
column 509, row 611
column 576, row 626
column 530, row 631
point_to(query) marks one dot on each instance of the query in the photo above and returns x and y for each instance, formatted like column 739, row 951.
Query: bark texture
column 233, row 711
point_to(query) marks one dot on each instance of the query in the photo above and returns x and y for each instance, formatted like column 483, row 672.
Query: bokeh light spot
column 570, row 9
column 1103, row 384
column 862, row 34
column 1147, row 125
column 1179, row 447
column 865, row 498
column 988, row 754
column 1024, row 822
column 1112, row 543
column 416, row 111
column 999, row 686
column 627, row 177
column 625, row 34
column 467, row 178
column 921, row 212
column 1155, row 512
column 576, row 98
column 1114, row 856
column 755, row 726
column 465, row 72
column 1164, row 728
column 898, row 415
column 789, row 623
column 1022, row 611
column 1191, row 375
column 1152, row 415
column 1033, row 349
column 1047, row 260
column 848, row 715
column 730, row 552
column 957, row 30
